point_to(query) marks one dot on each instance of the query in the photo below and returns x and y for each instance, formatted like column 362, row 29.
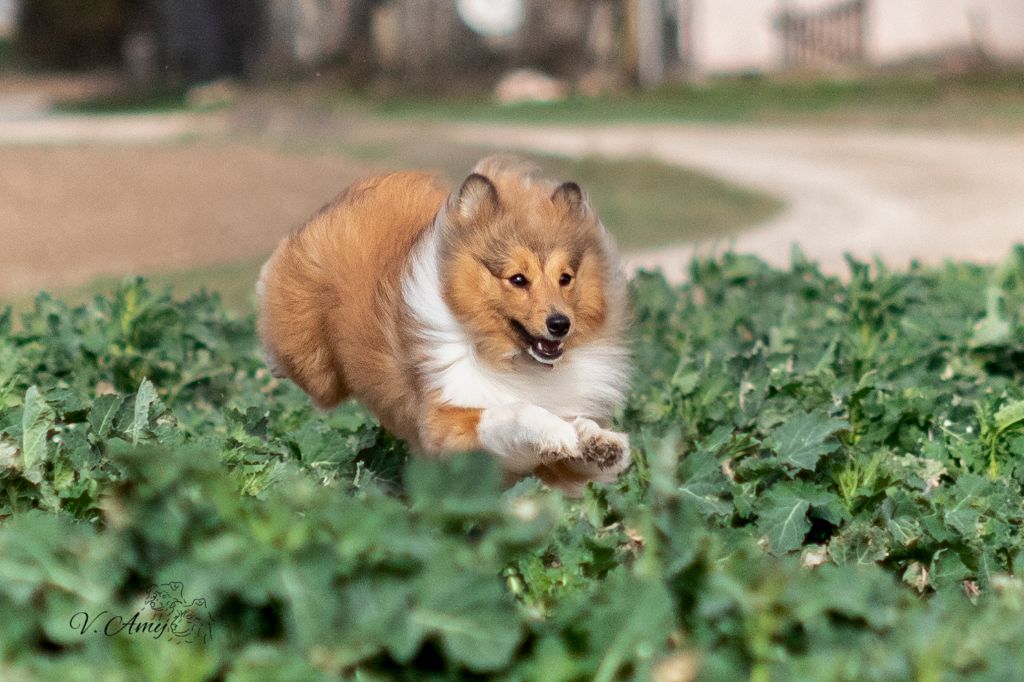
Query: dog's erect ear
column 477, row 197
column 570, row 196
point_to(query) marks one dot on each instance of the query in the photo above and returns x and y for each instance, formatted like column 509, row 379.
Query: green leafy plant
column 828, row 485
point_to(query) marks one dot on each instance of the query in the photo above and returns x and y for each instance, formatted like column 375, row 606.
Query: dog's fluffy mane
column 590, row 380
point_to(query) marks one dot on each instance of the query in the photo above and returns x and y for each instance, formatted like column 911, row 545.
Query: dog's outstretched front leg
column 529, row 439
column 604, row 454
column 525, row 436
column 521, row 435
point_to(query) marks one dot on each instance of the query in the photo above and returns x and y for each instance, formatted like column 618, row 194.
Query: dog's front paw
column 526, row 436
column 605, row 449
column 553, row 438
column 603, row 455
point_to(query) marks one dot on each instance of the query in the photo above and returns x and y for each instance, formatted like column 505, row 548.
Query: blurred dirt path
column 898, row 195
column 71, row 213
column 48, row 129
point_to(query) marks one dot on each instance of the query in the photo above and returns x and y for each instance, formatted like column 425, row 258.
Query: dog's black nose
column 558, row 324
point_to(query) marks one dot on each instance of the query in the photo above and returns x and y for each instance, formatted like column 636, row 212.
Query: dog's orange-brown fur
column 330, row 312
column 335, row 319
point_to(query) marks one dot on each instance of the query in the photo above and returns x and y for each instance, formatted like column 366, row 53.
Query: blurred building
column 437, row 45
column 734, row 36
column 201, row 40
column 415, row 45
column 187, row 40
column 417, row 42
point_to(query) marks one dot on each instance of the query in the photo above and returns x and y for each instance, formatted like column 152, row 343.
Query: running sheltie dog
column 489, row 318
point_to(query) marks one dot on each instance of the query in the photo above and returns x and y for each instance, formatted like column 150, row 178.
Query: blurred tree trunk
column 424, row 47
column 200, row 40
column 658, row 39
column 72, row 33
column 650, row 46
column 302, row 34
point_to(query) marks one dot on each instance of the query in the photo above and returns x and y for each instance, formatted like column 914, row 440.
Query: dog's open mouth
column 540, row 349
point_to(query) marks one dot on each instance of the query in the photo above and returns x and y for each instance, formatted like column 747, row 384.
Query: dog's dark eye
column 518, row 280
column 565, row 279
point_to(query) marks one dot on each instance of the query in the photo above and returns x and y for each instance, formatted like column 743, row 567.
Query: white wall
column 6, row 17
column 900, row 29
column 732, row 36
column 1004, row 27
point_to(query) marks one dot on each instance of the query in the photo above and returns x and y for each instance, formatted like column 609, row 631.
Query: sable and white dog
column 489, row 318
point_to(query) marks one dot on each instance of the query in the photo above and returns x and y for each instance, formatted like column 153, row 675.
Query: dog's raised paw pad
column 603, row 452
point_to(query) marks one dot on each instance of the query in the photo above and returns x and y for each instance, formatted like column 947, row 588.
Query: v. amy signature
column 165, row 613
column 85, row 623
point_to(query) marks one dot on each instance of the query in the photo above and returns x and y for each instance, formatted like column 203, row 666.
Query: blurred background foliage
column 74, row 33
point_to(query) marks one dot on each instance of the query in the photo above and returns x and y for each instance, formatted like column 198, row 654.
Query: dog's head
column 528, row 269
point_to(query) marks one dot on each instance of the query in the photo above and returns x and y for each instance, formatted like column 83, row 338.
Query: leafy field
column 828, row 485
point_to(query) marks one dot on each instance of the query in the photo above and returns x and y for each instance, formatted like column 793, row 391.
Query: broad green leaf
column 962, row 504
column 921, row 473
column 1009, row 415
column 470, row 613
column 144, row 398
column 463, row 485
column 704, row 483
column 824, row 504
column 994, row 328
column 964, row 520
column 803, row 439
column 642, row 612
column 717, row 440
column 782, row 520
column 36, row 423
column 853, row 591
column 104, row 410
column 311, row 597
column 377, row 610
column 905, row 530
column 685, row 379
column 860, row 543
column 947, row 569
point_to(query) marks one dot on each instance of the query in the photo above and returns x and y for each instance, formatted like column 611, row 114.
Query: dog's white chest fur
column 588, row 381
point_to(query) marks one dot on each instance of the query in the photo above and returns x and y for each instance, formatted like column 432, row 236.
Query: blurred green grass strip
column 128, row 101
column 647, row 204
column 977, row 98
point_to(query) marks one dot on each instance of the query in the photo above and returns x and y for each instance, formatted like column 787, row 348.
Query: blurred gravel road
column 898, row 195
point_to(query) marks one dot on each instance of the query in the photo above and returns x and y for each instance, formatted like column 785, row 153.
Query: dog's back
column 330, row 294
